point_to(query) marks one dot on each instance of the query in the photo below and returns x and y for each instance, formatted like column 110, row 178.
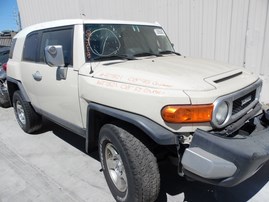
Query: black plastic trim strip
column 65, row 124
column 19, row 84
column 228, row 77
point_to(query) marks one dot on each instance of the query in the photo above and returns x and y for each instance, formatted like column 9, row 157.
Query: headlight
column 221, row 112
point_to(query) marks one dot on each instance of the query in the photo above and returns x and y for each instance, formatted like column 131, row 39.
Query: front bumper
column 227, row 161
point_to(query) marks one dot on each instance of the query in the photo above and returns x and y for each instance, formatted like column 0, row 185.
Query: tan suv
column 122, row 87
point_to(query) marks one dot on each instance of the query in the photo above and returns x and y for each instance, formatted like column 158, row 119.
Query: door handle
column 37, row 76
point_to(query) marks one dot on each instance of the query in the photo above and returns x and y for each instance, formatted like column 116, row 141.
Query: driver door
column 57, row 98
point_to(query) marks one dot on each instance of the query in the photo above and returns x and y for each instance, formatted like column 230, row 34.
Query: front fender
column 156, row 132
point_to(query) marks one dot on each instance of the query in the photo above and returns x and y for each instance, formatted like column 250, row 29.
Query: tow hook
column 266, row 115
column 179, row 155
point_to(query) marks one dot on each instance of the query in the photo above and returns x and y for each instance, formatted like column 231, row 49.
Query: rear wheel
column 26, row 116
column 130, row 168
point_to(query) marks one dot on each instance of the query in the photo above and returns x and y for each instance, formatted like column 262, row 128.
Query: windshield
column 120, row 41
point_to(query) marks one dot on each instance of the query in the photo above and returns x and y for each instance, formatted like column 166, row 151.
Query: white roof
column 60, row 23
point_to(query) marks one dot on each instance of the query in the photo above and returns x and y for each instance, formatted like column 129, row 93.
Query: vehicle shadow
column 194, row 191
column 172, row 184
column 64, row 134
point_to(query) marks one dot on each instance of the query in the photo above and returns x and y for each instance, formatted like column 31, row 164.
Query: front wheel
column 130, row 168
column 26, row 116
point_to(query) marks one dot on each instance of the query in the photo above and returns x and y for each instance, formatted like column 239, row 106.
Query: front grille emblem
column 245, row 101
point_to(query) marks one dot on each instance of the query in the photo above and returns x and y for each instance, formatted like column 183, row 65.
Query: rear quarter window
column 30, row 48
column 12, row 48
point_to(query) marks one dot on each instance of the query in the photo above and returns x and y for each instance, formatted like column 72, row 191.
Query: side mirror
column 54, row 56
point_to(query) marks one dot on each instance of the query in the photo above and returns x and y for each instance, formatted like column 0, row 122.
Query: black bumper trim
column 248, row 153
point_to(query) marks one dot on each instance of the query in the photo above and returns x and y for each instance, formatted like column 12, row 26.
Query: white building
column 232, row 31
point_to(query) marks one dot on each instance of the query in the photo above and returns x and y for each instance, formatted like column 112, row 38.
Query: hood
column 168, row 72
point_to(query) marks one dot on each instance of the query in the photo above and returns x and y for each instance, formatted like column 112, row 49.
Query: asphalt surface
column 51, row 166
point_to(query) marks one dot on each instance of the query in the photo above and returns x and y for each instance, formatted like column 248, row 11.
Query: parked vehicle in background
column 122, row 87
column 4, row 98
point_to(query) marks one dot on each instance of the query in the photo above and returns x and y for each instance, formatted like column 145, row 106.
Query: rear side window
column 30, row 47
column 12, row 48
column 63, row 37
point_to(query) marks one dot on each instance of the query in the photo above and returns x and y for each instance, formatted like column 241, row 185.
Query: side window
column 30, row 47
column 62, row 37
column 12, row 48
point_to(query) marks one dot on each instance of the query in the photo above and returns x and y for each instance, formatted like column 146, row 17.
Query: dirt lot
column 51, row 166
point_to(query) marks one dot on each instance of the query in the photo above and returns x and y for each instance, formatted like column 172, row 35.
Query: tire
column 126, row 160
column 26, row 116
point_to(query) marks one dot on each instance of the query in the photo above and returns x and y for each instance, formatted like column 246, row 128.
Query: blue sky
column 8, row 11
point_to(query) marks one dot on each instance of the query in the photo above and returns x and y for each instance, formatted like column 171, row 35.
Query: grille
column 242, row 102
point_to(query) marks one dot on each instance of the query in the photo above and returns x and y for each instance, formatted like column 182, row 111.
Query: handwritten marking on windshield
column 87, row 43
column 103, row 42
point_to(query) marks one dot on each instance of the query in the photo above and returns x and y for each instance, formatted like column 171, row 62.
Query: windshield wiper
column 169, row 52
column 146, row 54
column 114, row 57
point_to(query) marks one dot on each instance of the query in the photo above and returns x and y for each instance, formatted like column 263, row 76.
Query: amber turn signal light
column 187, row 113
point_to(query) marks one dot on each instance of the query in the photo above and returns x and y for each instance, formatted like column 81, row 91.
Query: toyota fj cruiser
column 122, row 87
